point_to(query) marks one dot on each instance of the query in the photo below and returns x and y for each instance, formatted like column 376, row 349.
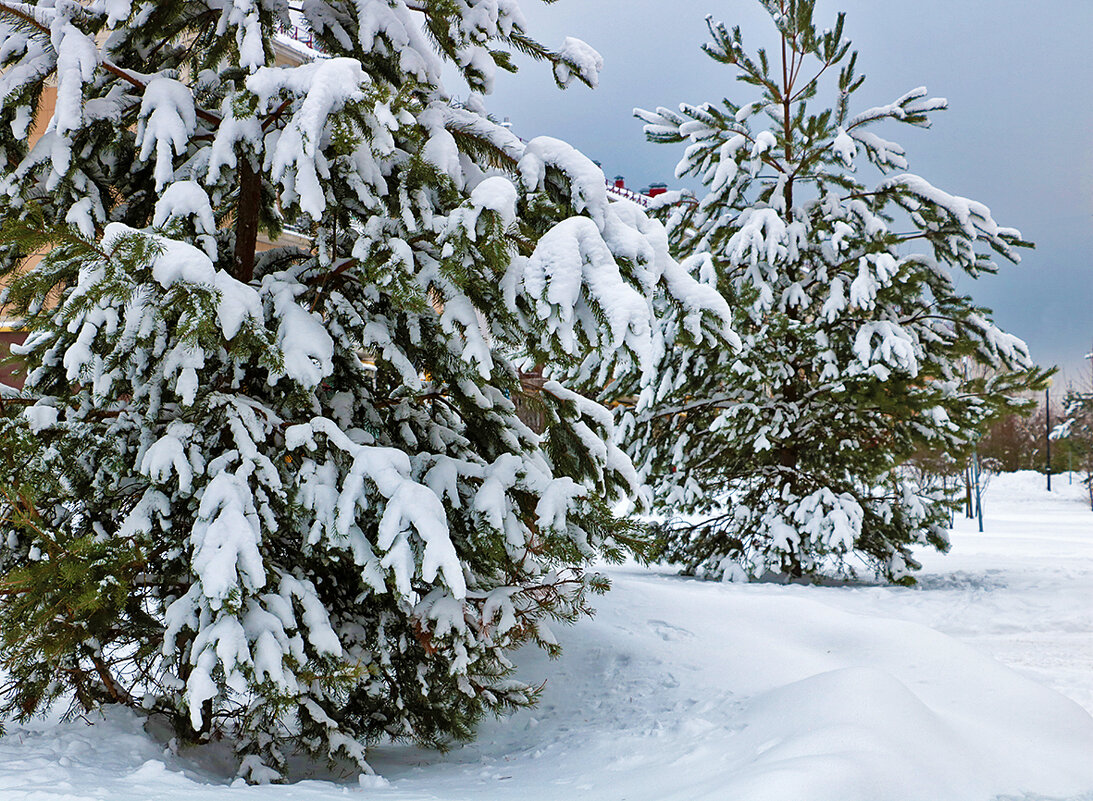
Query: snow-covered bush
column 284, row 494
column 854, row 334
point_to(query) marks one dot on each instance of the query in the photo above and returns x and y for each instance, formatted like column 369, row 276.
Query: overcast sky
column 1018, row 135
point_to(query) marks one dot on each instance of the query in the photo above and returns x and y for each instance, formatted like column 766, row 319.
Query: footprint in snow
column 669, row 633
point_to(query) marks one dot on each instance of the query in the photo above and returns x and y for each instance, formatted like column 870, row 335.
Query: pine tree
column 1075, row 432
column 788, row 453
column 285, row 495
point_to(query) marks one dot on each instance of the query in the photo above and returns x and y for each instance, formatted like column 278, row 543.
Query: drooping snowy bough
column 284, row 493
column 856, row 340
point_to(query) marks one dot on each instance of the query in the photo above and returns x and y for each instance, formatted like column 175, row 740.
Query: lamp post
column 978, row 492
column 1047, row 432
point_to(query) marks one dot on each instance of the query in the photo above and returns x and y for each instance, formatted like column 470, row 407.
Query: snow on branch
column 910, row 108
column 883, row 346
column 570, row 259
column 410, row 506
column 885, row 154
column 469, row 123
column 307, row 351
column 587, row 189
column 166, row 123
column 996, row 347
column 325, row 86
column 972, row 217
column 179, row 262
column 578, row 59
column 606, row 266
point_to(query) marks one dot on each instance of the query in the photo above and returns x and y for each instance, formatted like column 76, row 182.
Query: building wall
column 10, row 374
column 45, row 112
column 286, row 53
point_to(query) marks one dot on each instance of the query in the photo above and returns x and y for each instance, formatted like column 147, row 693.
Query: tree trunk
column 246, row 220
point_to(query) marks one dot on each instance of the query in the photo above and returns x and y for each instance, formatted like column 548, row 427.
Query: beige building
column 287, row 52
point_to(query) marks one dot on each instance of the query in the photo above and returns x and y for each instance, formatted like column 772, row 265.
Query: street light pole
column 978, row 492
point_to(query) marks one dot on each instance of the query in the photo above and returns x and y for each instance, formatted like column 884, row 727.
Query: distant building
column 617, row 188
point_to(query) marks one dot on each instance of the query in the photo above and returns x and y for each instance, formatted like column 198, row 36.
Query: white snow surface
column 978, row 684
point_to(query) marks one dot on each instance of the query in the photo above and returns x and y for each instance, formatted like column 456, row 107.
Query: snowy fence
column 303, row 35
column 628, row 194
column 299, row 31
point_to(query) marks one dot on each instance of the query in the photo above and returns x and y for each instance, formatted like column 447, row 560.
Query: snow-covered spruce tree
column 217, row 510
column 1075, row 432
column 854, row 335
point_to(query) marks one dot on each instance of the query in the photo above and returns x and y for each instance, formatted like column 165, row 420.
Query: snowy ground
column 970, row 687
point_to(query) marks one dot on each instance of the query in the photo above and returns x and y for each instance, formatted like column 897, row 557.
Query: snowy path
column 1021, row 591
column 688, row 690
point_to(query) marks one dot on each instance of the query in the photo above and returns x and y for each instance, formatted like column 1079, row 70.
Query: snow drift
column 681, row 689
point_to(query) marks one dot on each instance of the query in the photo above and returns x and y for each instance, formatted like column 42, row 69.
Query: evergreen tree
column 1075, row 433
column 854, row 334
column 219, row 510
